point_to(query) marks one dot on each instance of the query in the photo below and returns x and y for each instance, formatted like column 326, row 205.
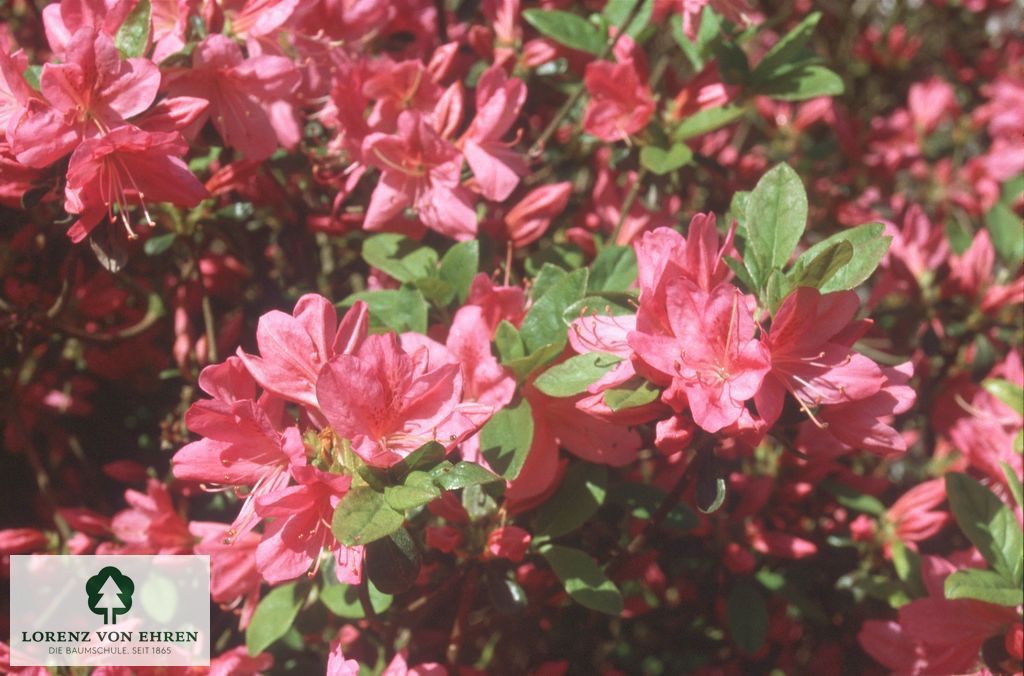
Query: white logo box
column 110, row 610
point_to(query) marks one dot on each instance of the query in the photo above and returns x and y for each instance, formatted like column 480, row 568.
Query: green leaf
column 806, row 82
column 1009, row 393
column 363, row 516
column 402, row 258
column 988, row 524
column 853, row 499
column 747, row 616
column 32, row 75
column 1005, row 229
column 567, row 29
column 707, row 120
column 742, row 274
column 576, row 374
column 506, row 438
column 543, row 324
column 578, row 498
column 614, row 269
column 413, row 494
column 788, row 50
column 393, row 563
column 524, row 366
column 399, row 310
column 822, row 267
column 618, row 399
column 133, row 35
column 643, row 501
column 478, row 503
column 462, row 474
column 983, row 585
column 1013, row 482
column 777, row 215
column 616, row 12
column 548, row 275
column 459, row 266
column 274, row 616
column 869, row 247
column 776, row 289
column 343, row 600
column 907, row 563
column 158, row 244
column 424, row 457
column 663, row 161
column 510, row 345
column 583, row 580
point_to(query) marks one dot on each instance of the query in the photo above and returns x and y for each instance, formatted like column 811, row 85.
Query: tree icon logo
column 110, row 593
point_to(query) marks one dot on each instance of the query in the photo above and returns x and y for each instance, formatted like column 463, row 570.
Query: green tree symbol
column 110, row 593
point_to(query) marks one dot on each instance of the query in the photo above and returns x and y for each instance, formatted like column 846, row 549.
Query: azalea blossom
column 388, row 403
column 711, row 355
column 419, row 170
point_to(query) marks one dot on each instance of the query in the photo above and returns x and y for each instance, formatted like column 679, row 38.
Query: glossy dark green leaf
column 133, row 35
column 776, row 217
column 404, row 259
column 461, row 475
column 983, row 585
column 274, row 616
column 663, row 161
column 579, row 497
column 583, row 580
column 363, row 516
column 566, row 28
column 574, row 375
column 506, row 438
column 989, row 524
column 393, row 562
column 459, row 265
column 747, row 616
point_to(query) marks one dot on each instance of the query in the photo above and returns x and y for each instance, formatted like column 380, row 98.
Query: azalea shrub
column 558, row 337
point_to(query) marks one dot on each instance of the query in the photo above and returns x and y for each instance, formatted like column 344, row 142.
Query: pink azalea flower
column 864, row 423
column 913, row 516
column 420, row 170
column 509, row 542
column 170, row 23
column 299, row 530
column 935, row 635
column 733, row 10
column 14, row 91
column 807, row 361
column 242, row 444
column 233, row 575
column 620, row 100
column 62, row 20
column 93, row 91
column 295, row 347
column 151, row 525
column 338, row 665
column 388, row 403
column 236, row 88
column 531, row 216
column 711, row 354
column 496, row 166
column 127, row 166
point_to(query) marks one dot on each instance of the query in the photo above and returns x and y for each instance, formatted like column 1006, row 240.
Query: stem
column 364, row 593
column 538, row 146
column 634, row 190
column 211, row 331
column 704, row 443
column 459, row 626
